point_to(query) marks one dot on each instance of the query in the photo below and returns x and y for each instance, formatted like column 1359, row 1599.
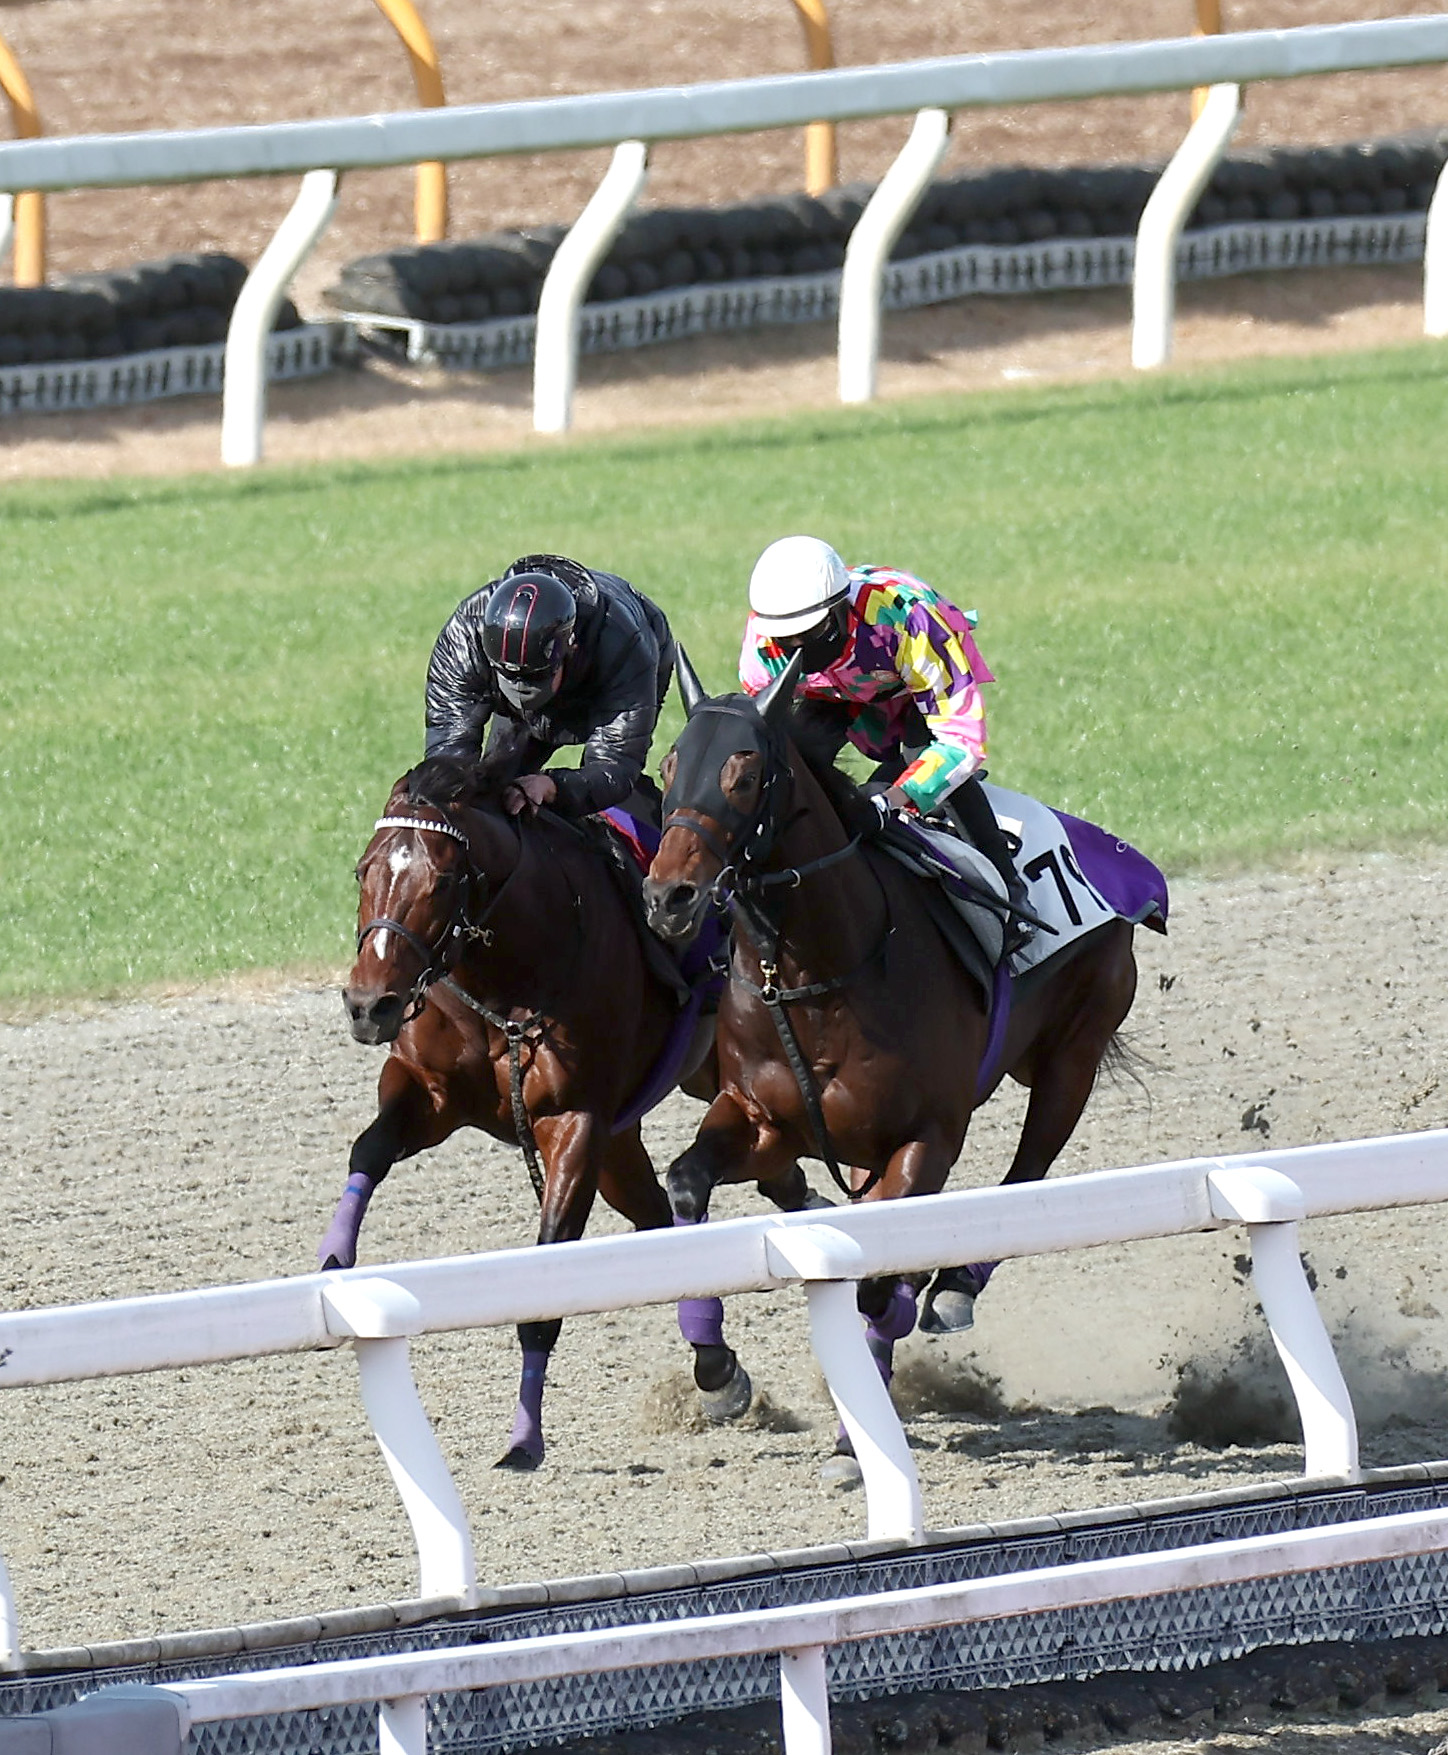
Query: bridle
column 749, row 839
column 742, row 887
column 440, row 959
column 437, row 960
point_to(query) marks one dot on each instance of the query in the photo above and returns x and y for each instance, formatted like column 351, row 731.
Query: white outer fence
column 378, row 1308
column 742, row 106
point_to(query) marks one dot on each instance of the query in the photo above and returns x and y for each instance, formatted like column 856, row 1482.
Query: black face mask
column 529, row 693
column 824, row 645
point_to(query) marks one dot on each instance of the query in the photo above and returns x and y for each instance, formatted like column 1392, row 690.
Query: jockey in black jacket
column 552, row 653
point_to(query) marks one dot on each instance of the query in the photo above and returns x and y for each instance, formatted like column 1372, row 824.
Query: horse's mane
column 443, row 781
column 817, row 744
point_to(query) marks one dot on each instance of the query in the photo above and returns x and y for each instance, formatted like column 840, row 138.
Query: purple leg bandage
column 701, row 1320
column 981, row 1271
column 341, row 1239
column 893, row 1324
column 898, row 1317
column 527, row 1433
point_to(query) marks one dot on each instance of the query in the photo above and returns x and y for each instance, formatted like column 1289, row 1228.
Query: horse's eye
column 357, row 873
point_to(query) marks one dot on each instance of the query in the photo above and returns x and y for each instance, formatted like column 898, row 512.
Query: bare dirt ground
column 161, row 1145
column 291, row 62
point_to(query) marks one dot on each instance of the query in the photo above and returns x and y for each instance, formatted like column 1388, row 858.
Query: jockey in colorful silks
column 893, row 666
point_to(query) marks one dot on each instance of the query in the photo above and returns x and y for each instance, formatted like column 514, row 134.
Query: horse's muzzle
column 374, row 1017
column 675, row 910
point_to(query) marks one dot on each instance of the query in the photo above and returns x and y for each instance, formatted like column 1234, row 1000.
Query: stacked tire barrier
column 135, row 334
column 180, row 301
column 1032, row 213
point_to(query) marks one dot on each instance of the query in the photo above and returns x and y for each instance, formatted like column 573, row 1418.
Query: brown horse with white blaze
column 849, row 1030
column 499, row 959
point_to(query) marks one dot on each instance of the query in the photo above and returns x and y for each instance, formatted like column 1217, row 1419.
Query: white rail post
column 1435, row 261
column 1269, row 1204
column 243, row 390
column 1153, row 276
column 9, row 1622
column 829, row 1262
column 378, row 1316
column 402, row 1726
column 876, row 232
column 804, row 1701
column 7, row 222
column 555, row 336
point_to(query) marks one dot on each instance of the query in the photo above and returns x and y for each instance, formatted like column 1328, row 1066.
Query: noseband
column 437, row 959
column 749, row 840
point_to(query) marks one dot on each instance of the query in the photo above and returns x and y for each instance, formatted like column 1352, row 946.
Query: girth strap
column 514, row 1031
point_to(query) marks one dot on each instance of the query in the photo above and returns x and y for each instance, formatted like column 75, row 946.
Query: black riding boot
column 970, row 810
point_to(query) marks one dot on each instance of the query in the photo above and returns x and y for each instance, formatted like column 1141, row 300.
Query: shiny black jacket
column 613, row 685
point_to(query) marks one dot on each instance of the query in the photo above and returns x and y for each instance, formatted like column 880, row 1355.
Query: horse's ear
column 692, row 691
column 773, row 700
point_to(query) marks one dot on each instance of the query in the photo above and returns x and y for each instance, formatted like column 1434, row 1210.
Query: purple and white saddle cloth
column 1077, row 876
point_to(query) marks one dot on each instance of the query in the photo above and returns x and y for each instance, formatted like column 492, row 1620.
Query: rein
column 777, row 998
column 438, row 962
column 515, row 1030
column 745, row 844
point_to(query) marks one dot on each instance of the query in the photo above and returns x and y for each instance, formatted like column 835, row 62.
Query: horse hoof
column 518, row 1461
column 948, row 1313
column 841, row 1470
column 730, row 1401
column 330, row 1264
column 815, row 1200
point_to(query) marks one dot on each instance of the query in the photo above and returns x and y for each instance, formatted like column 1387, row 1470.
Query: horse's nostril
column 683, row 896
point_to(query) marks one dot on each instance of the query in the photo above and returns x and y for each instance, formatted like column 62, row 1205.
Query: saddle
column 1077, row 877
column 959, row 878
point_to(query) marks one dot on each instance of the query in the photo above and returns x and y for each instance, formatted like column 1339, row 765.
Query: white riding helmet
column 796, row 582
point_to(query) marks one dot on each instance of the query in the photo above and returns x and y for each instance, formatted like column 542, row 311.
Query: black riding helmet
column 527, row 625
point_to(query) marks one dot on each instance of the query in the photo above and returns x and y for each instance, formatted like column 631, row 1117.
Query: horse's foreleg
column 570, row 1148
column 791, row 1192
column 626, row 1180
column 406, row 1123
column 727, row 1139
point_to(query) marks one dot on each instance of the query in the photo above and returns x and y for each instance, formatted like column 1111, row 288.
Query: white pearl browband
column 419, row 823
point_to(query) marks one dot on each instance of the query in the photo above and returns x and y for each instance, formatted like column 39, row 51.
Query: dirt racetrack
column 204, row 1138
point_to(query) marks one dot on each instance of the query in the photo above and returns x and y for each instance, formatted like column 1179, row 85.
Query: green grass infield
column 1214, row 603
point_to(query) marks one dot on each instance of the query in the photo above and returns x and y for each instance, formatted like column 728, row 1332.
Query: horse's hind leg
column 406, row 1122
column 1060, row 1070
column 570, row 1149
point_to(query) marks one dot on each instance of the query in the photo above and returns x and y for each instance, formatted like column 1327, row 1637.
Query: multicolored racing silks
column 908, row 648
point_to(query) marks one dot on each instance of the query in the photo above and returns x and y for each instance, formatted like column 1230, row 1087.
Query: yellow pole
column 29, row 207
column 821, row 160
column 430, row 207
column 1209, row 24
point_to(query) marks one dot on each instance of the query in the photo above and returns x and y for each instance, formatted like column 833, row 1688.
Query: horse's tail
column 1123, row 1062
